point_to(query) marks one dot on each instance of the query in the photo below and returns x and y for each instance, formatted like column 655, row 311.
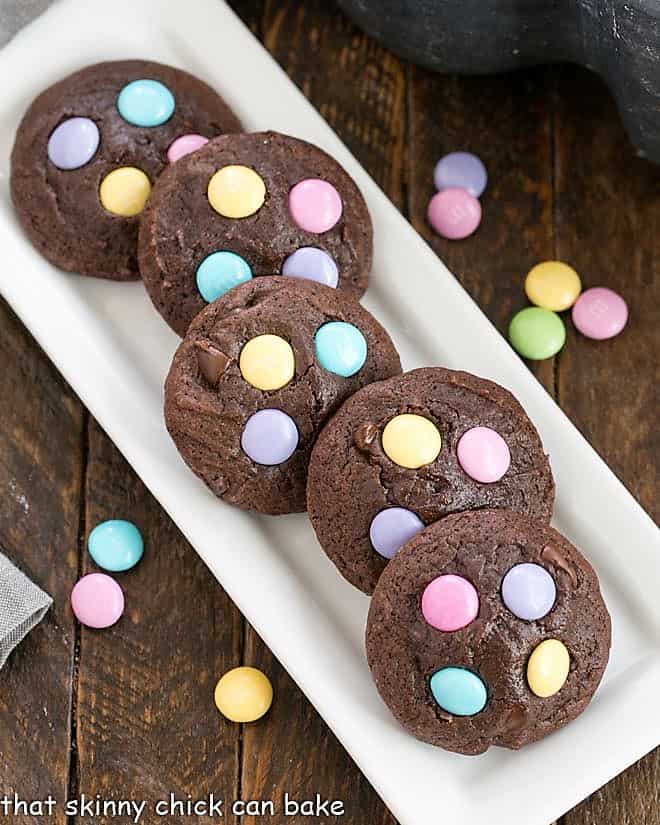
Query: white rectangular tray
column 114, row 350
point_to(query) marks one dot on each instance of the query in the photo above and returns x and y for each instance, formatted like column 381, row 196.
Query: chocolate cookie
column 249, row 205
column 405, row 452
column 488, row 628
column 89, row 149
column 255, row 378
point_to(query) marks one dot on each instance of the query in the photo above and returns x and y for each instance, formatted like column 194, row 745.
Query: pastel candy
column 219, row 272
column 458, row 691
column 315, row 205
column 236, row 191
column 450, row 602
column 537, row 333
column 312, row 264
column 392, row 528
column 529, row 591
column 411, row 441
column 340, row 348
column 116, row 545
column 146, row 103
column 269, row 437
column 267, row 362
column 548, row 667
column 454, row 213
column 461, row 170
column 124, row 191
column 184, row 145
column 553, row 285
column 73, row 143
column 483, row 454
column 600, row 313
column 97, row 600
column 243, row 694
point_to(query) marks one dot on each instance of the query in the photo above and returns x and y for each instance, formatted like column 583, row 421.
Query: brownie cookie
column 405, row 452
column 257, row 375
column 249, row 205
column 488, row 628
column 89, row 149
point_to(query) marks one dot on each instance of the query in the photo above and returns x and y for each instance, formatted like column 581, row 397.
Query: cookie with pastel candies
column 89, row 149
column 250, row 205
column 488, row 628
column 258, row 373
column 406, row 452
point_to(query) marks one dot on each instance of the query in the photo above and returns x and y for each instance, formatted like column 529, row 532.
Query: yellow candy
column 243, row 694
column 124, row 191
column 547, row 669
column 236, row 191
column 411, row 441
column 553, row 285
column 267, row 362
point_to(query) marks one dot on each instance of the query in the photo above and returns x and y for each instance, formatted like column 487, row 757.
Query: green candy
column 537, row 333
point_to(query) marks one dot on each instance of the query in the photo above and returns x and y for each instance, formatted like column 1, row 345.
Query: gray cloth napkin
column 22, row 606
column 14, row 14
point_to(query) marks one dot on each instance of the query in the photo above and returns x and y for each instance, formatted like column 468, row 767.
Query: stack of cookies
column 429, row 490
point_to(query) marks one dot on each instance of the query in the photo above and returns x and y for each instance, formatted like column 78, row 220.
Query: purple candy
column 392, row 528
column 460, row 170
column 269, row 437
column 73, row 143
column 529, row 591
column 313, row 264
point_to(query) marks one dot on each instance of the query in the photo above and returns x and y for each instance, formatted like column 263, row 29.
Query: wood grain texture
column 40, row 478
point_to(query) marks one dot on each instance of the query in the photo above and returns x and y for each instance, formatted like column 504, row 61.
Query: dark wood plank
column 608, row 227
column 41, row 460
column 146, row 722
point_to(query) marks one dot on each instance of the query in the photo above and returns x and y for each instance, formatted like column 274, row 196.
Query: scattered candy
column 458, row 691
column 483, row 454
column 553, row 285
column 270, row 437
column 73, row 143
column 124, row 191
column 315, row 205
column 392, row 528
column 461, row 170
column 547, row 669
column 184, row 145
column 267, row 362
column 219, row 272
column 146, row 103
column 537, row 333
column 600, row 313
column 243, row 694
column 450, row 602
column 454, row 213
column 411, row 441
column 236, row 191
column 116, row 545
column 312, row 264
column 529, row 591
column 97, row 600
column 340, row 348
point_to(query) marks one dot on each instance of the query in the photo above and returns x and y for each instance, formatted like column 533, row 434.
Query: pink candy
column 97, row 600
column 449, row 603
column 315, row 205
column 454, row 213
column 600, row 313
column 483, row 454
column 184, row 145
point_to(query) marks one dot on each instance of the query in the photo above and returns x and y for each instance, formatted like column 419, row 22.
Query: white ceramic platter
column 114, row 350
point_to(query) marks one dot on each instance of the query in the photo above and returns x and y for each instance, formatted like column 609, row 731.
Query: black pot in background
column 619, row 39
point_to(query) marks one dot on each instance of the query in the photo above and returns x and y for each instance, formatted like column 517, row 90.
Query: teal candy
column 145, row 103
column 459, row 691
column 340, row 348
column 219, row 272
column 115, row 545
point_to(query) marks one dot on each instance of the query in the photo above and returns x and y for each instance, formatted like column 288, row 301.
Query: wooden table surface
column 128, row 712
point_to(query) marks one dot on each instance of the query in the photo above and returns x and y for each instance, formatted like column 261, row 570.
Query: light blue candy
column 115, row 545
column 459, row 691
column 219, row 272
column 340, row 348
column 145, row 103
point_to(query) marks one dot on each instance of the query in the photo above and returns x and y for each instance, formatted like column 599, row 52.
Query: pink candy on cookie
column 315, row 205
column 450, row 602
column 483, row 454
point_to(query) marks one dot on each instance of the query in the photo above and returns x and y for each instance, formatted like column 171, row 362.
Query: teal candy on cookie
column 146, row 103
column 219, row 272
column 340, row 348
column 459, row 691
column 116, row 545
